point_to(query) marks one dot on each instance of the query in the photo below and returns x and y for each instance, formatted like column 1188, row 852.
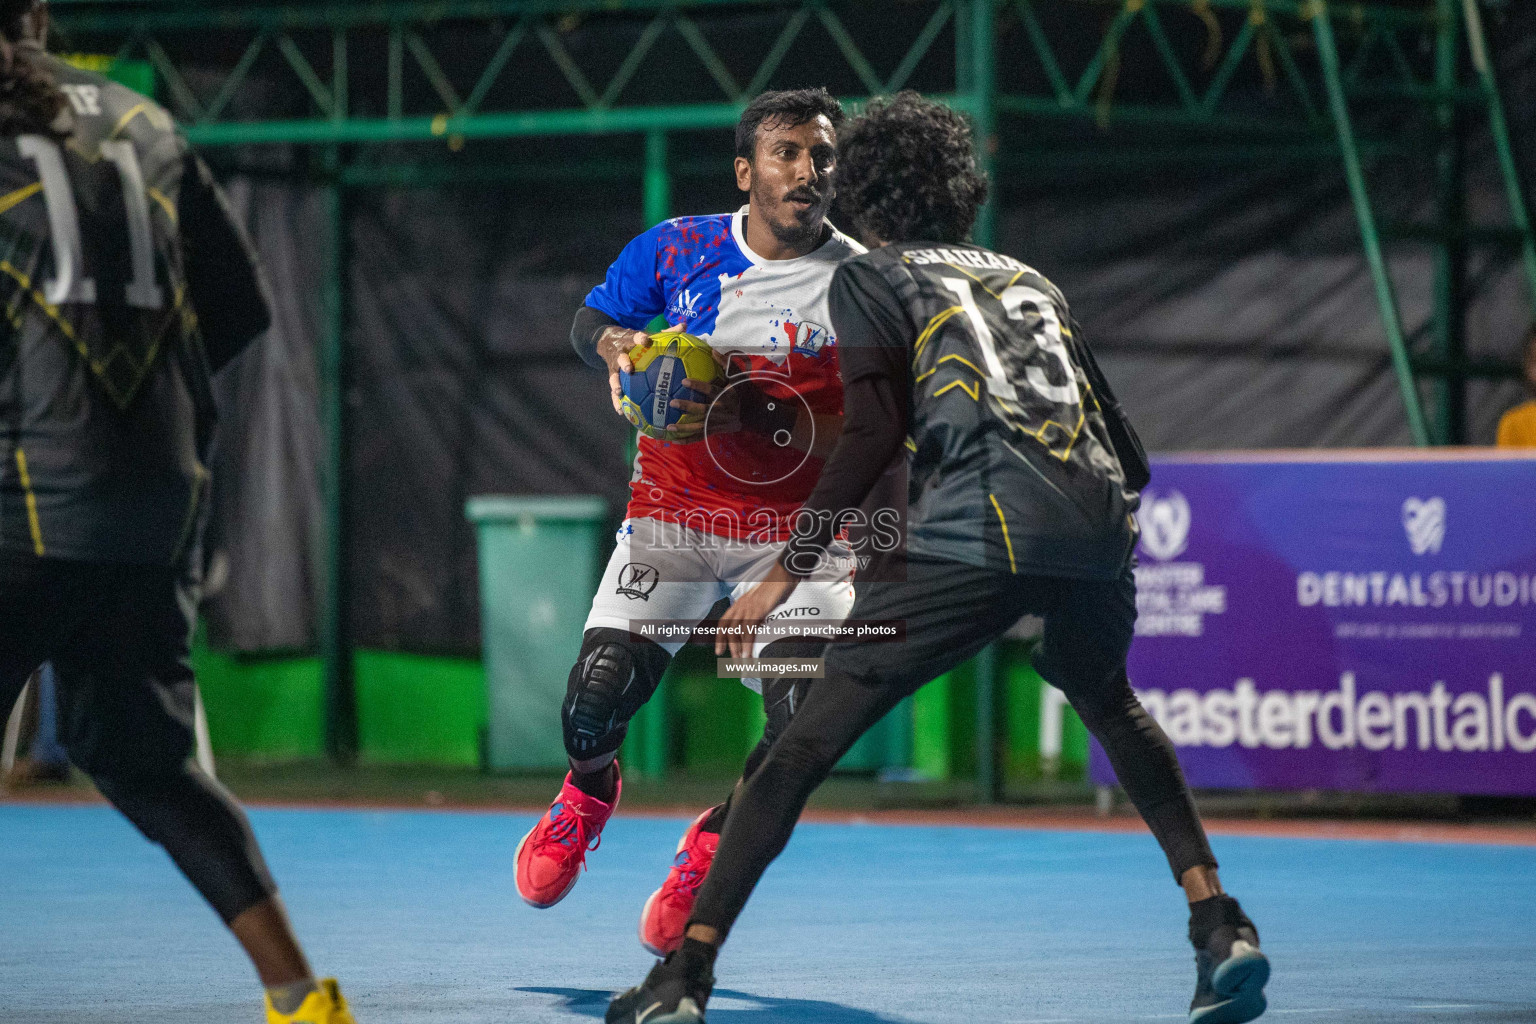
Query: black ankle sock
column 697, row 958
column 601, row 784
column 1206, row 915
column 716, row 820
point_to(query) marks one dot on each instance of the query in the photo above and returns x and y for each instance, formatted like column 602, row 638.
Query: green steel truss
column 1171, row 67
column 312, row 44
column 1015, row 59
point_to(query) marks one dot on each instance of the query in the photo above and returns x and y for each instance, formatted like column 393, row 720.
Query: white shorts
column 669, row 572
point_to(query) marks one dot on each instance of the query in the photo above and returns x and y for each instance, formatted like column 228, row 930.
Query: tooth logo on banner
column 1424, row 521
column 1165, row 524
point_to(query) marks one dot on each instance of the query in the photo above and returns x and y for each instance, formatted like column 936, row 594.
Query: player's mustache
column 809, row 195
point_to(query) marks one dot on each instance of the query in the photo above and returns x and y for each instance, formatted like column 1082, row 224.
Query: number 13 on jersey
column 1047, row 340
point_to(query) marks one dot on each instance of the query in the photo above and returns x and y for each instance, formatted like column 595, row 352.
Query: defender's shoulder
column 841, row 246
column 104, row 109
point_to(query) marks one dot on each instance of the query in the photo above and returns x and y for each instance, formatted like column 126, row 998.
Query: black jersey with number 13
column 1020, row 459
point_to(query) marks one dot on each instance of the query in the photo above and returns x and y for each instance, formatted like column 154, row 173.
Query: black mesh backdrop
column 1231, row 305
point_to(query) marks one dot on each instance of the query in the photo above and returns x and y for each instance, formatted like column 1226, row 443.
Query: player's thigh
column 1089, row 625
column 658, row 572
column 831, row 715
column 125, row 683
column 944, row 613
column 36, row 613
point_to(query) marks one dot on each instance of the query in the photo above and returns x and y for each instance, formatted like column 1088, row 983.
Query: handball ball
column 660, row 369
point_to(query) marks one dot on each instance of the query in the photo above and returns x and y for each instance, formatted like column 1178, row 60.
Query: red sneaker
column 665, row 916
column 552, row 854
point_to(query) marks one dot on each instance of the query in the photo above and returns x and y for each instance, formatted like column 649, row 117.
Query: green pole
column 1478, row 43
column 653, row 738
column 335, row 634
column 1386, row 298
column 988, row 789
column 897, row 756
column 1450, row 244
column 977, row 66
column 658, row 179
column 976, row 74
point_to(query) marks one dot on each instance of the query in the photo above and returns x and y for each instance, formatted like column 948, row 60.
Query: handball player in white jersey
column 707, row 517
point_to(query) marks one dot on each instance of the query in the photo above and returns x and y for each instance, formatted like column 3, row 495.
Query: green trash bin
column 538, row 565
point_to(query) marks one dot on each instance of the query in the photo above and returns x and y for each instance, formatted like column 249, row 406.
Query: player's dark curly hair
column 906, row 171
column 30, row 100
column 785, row 109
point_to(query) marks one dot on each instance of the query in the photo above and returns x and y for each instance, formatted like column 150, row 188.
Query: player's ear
column 744, row 174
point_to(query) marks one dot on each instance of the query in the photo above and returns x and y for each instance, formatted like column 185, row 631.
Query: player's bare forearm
column 738, row 626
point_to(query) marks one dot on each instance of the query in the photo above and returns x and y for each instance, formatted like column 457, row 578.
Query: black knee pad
column 614, row 675
column 782, row 696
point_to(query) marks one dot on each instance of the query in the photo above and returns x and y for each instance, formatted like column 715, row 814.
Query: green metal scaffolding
column 1009, row 65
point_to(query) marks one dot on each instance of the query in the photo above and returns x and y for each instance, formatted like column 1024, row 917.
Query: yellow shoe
column 325, row 1005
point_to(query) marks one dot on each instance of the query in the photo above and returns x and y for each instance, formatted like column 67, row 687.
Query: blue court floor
column 416, row 913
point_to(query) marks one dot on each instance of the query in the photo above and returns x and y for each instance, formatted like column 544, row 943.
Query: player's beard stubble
column 793, row 224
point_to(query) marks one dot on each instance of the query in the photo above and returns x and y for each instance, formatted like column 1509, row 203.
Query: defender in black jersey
column 1023, row 477
column 125, row 284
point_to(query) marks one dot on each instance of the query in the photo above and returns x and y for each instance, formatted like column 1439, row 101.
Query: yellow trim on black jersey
column 974, row 390
column 1012, row 565
column 122, row 122
column 939, row 319
column 165, row 204
column 20, row 196
column 32, row 520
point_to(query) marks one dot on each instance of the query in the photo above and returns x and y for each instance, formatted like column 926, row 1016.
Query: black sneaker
column 1231, row 968
column 669, row 995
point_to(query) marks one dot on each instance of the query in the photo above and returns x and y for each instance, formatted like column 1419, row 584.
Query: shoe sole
column 1240, row 979
column 687, row 1012
column 645, row 913
column 535, row 903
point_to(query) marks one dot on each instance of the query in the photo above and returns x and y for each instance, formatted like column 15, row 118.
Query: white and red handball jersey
column 771, row 317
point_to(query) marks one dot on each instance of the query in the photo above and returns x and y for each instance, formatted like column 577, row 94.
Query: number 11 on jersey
column 70, row 283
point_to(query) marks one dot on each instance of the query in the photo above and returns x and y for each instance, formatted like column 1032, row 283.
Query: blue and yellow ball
column 660, row 369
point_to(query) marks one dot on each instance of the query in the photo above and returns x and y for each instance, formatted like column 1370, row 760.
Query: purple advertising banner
column 1348, row 621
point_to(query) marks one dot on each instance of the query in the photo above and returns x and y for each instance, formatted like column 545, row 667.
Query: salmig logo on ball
column 1424, row 522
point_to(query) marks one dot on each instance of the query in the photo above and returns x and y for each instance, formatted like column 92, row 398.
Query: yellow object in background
column 1517, row 428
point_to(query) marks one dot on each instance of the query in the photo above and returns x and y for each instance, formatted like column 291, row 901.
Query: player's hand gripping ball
column 660, row 369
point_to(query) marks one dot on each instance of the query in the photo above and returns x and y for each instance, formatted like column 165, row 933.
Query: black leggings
column 118, row 637
column 951, row 611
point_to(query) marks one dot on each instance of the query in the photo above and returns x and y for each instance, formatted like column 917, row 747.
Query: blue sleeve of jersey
column 632, row 294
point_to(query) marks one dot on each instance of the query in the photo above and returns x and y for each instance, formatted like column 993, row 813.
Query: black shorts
column 951, row 610
column 119, row 637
